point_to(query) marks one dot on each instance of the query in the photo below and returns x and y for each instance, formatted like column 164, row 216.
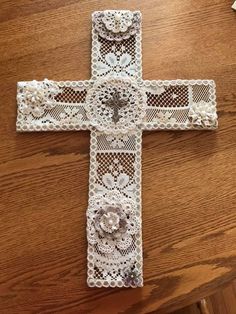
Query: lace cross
column 116, row 105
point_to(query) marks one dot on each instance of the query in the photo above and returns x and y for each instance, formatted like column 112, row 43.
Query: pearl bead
column 117, row 17
column 37, row 112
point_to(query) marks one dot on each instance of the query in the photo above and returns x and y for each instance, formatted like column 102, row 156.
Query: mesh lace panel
column 117, row 57
column 171, row 97
column 67, row 111
column 112, row 57
column 170, row 103
column 71, row 95
column 114, row 170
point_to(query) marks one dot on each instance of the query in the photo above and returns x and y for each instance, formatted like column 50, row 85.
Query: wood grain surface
column 221, row 302
column 189, row 178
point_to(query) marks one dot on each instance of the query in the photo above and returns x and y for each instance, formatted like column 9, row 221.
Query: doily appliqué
column 36, row 97
column 113, row 221
column 116, row 25
column 116, row 105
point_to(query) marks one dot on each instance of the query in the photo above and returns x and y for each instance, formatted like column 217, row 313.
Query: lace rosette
column 116, row 105
column 36, row 97
column 116, row 25
column 113, row 222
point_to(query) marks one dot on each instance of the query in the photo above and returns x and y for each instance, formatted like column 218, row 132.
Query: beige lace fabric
column 116, row 105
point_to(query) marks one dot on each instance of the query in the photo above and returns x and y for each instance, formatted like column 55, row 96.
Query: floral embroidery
column 37, row 97
column 132, row 278
column 164, row 117
column 121, row 182
column 117, row 141
column 117, row 65
column 113, row 221
column 202, row 114
column 71, row 116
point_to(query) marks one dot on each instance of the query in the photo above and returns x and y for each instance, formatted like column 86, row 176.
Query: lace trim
column 180, row 105
column 66, row 110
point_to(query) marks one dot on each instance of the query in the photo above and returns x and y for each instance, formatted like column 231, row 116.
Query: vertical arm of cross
column 114, row 211
column 52, row 106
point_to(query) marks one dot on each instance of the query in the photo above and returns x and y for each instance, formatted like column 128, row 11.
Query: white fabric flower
column 36, row 97
column 117, row 21
column 201, row 114
column 116, row 25
column 112, row 220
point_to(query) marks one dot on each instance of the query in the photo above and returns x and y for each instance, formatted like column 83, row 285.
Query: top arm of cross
column 116, row 105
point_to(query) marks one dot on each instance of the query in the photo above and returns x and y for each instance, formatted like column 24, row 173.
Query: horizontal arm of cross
column 171, row 105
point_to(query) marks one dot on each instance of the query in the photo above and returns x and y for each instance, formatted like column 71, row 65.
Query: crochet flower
column 36, row 97
column 201, row 114
column 117, row 21
column 116, row 25
column 112, row 221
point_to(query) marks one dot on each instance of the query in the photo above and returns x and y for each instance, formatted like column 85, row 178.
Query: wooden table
column 189, row 219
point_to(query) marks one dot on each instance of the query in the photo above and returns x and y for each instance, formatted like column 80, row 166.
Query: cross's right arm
column 180, row 105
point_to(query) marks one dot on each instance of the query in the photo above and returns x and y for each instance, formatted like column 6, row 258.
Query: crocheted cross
column 116, row 105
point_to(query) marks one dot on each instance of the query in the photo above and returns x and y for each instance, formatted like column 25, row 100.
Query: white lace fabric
column 116, row 105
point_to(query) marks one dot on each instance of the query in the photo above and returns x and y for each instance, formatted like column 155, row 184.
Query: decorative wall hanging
column 116, row 105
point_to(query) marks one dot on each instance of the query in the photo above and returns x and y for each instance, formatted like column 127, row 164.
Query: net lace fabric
column 115, row 172
column 171, row 104
column 67, row 112
column 117, row 57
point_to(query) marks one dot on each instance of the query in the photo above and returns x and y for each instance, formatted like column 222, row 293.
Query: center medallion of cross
column 116, row 105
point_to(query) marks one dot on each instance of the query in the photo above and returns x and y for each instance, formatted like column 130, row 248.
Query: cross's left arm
column 52, row 106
